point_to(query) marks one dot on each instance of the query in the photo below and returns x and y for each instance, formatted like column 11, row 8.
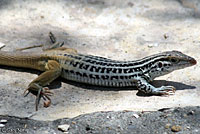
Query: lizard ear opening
column 160, row 65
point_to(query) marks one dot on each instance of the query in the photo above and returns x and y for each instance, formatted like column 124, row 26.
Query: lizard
column 68, row 63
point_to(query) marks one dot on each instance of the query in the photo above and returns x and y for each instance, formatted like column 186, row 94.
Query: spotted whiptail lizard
column 67, row 63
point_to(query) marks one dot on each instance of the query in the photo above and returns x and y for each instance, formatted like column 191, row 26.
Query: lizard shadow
column 156, row 83
column 19, row 69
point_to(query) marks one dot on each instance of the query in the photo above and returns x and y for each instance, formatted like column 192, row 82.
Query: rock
column 167, row 125
column 176, row 128
column 3, row 121
column 136, row 115
column 2, row 125
column 2, row 45
column 64, row 127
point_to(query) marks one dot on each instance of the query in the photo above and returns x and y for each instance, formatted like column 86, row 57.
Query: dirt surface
column 121, row 30
column 166, row 121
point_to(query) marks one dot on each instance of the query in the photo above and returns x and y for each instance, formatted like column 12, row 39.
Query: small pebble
column 136, row 115
column 73, row 122
column 184, row 115
column 167, row 125
column 3, row 121
column 64, row 127
column 2, row 45
column 108, row 117
column 2, row 125
column 176, row 128
column 191, row 113
column 166, row 36
column 188, row 127
column 150, row 45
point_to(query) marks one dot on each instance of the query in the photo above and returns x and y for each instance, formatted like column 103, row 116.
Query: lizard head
column 178, row 60
column 169, row 61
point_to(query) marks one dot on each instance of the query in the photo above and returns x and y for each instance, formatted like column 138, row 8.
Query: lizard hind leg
column 54, row 46
column 54, row 42
column 58, row 46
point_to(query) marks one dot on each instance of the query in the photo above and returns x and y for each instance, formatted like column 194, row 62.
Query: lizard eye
column 174, row 60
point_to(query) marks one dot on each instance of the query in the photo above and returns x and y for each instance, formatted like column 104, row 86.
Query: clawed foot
column 165, row 90
column 43, row 92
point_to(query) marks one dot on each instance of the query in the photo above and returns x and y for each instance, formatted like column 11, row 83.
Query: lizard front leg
column 53, row 71
column 145, row 87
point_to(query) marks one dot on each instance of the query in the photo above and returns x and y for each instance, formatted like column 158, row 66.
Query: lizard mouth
column 193, row 61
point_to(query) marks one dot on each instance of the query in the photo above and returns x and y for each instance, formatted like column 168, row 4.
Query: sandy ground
column 121, row 30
